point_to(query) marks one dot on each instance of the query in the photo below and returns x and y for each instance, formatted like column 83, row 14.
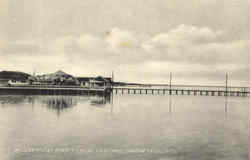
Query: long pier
column 195, row 90
column 185, row 90
column 53, row 90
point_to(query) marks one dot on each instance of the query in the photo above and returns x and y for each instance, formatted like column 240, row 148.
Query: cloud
column 15, row 47
column 185, row 50
column 121, row 39
column 185, row 35
column 190, row 44
column 90, row 42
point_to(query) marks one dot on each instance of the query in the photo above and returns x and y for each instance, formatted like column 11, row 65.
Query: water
column 125, row 127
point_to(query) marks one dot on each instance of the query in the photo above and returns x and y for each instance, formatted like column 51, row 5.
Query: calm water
column 125, row 127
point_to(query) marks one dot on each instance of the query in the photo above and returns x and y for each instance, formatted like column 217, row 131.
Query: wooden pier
column 186, row 90
column 170, row 89
column 53, row 90
column 154, row 90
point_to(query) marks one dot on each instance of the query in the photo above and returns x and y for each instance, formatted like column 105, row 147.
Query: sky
column 199, row 41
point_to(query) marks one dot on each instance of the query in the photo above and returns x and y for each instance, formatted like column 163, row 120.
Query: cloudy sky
column 140, row 40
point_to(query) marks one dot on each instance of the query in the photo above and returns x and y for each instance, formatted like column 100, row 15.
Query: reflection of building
column 99, row 100
column 60, row 102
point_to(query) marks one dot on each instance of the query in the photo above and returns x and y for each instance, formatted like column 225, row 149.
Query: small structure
column 18, row 83
column 94, row 82
column 100, row 82
column 84, row 81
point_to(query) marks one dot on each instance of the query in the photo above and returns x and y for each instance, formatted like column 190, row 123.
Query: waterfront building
column 95, row 81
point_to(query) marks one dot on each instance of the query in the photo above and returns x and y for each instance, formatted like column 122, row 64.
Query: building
column 95, row 81
column 58, row 78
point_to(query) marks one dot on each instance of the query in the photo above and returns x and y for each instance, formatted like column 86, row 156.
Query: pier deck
column 51, row 90
column 186, row 90
column 174, row 90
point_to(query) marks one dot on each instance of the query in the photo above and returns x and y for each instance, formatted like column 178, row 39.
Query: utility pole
column 112, row 79
column 112, row 76
column 226, row 84
column 170, row 83
column 34, row 72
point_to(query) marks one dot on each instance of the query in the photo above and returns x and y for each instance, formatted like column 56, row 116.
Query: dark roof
column 14, row 75
column 85, row 79
column 99, row 78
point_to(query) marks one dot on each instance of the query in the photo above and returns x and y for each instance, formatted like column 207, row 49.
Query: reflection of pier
column 185, row 90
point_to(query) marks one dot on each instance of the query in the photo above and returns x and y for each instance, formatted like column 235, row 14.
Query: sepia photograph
column 124, row 80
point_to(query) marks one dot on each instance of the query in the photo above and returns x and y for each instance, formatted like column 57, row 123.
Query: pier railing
column 138, row 89
column 56, row 87
column 184, row 90
column 53, row 90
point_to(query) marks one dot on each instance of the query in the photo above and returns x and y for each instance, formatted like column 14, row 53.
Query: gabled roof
column 98, row 78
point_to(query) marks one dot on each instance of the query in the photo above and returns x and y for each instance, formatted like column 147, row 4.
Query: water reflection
column 99, row 101
column 57, row 104
column 63, row 103
column 112, row 103
column 17, row 99
column 60, row 104
column 170, row 105
column 226, row 103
